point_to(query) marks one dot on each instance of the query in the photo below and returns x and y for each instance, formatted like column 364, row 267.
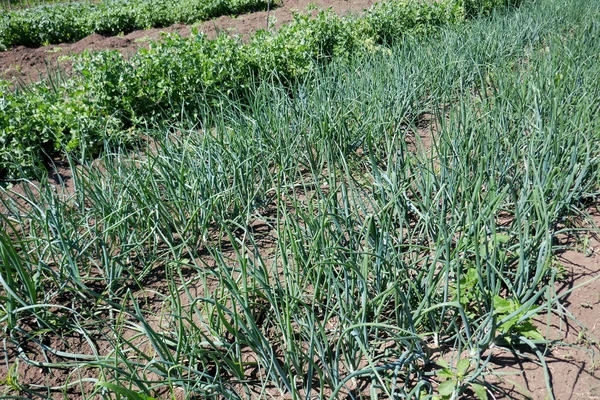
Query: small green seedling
column 455, row 380
column 11, row 381
column 515, row 326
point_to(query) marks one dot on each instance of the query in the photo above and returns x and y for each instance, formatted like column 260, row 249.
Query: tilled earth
column 28, row 64
column 574, row 363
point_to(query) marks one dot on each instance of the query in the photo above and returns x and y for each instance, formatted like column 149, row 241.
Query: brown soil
column 28, row 64
column 574, row 363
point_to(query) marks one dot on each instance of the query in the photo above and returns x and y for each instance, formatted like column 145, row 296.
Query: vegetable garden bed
column 69, row 22
column 286, row 233
column 110, row 95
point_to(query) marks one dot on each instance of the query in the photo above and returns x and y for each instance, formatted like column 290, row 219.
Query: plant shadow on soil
column 572, row 362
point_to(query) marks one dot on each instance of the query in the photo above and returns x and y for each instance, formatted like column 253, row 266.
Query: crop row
column 20, row 4
column 68, row 22
column 108, row 95
column 306, row 244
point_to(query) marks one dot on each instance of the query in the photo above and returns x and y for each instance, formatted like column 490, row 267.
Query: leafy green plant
column 286, row 239
column 11, row 381
column 109, row 96
column 486, row 7
column 457, row 379
column 512, row 322
column 69, row 22
column 390, row 20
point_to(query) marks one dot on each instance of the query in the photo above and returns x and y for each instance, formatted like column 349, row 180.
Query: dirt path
column 28, row 63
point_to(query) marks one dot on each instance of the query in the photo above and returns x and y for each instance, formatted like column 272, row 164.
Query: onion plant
column 298, row 244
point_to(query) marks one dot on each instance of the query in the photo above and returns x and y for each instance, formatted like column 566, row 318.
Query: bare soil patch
column 30, row 64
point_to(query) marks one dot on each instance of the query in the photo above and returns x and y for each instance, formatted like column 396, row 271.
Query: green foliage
column 514, row 322
column 454, row 380
column 176, row 71
column 474, row 8
column 19, row 282
column 122, row 392
column 512, row 316
column 69, row 22
column 391, row 19
column 10, row 383
column 39, row 119
column 109, row 95
column 291, row 242
column 299, row 46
